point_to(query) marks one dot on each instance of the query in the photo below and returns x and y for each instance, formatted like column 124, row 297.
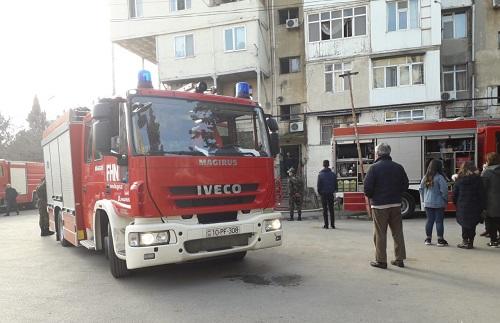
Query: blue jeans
column 434, row 215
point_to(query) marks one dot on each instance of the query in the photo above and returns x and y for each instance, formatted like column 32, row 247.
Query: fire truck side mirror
column 272, row 124
column 102, row 136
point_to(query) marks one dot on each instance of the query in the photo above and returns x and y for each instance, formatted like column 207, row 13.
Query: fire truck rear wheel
column 60, row 231
column 407, row 205
column 118, row 266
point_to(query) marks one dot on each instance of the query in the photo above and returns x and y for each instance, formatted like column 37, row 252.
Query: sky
column 59, row 50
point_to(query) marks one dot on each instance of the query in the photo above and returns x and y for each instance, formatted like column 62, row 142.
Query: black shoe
column 398, row 263
column 325, row 227
column 46, row 233
column 442, row 243
column 493, row 244
column 465, row 245
column 333, row 227
column 382, row 265
column 428, row 241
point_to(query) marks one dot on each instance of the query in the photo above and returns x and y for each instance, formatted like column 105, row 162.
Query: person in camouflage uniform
column 295, row 191
column 41, row 193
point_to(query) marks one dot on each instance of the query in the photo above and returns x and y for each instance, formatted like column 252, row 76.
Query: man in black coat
column 327, row 186
column 384, row 185
column 491, row 181
column 10, row 199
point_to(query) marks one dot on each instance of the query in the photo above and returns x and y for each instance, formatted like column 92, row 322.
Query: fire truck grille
column 218, row 243
column 192, row 190
column 191, row 203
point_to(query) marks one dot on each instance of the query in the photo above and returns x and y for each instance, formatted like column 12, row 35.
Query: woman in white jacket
column 434, row 197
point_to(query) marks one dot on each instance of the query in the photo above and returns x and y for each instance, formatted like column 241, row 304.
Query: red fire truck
column 163, row 177
column 413, row 145
column 24, row 177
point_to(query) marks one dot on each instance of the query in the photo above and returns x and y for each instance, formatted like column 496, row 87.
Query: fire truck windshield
column 168, row 126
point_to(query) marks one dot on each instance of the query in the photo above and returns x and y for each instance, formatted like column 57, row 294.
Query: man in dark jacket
column 327, row 186
column 491, row 181
column 10, row 199
column 384, row 184
column 41, row 193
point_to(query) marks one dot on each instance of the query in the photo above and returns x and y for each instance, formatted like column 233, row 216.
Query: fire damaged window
column 165, row 126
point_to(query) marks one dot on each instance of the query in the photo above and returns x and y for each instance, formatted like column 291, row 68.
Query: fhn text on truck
column 163, row 177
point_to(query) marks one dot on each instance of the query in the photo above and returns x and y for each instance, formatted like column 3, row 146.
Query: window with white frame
column 455, row 78
column 328, row 123
column 333, row 82
column 135, row 8
column 402, row 15
column 404, row 115
column 398, row 71
column 454, row 25
column 234, row 39
column 178, row 5
column 337, row 24
column 184, row 46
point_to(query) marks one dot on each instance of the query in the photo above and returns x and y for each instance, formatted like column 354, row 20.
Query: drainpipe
column 273, row 59
column 473, row 59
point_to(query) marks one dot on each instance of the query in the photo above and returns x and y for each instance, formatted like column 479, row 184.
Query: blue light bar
column 144, row 80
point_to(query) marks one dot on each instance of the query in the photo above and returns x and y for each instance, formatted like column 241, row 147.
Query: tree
column 26, row 144
column 5, row 135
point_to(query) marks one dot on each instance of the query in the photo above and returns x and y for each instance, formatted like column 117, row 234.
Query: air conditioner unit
column 297, row 126
column 292, row 23
column 447, row 96
column 496, row 3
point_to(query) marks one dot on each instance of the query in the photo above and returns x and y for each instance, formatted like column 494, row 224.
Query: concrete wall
column 318, row 99
column 487, row 53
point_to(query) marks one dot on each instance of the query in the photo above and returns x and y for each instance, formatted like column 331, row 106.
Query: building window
column 290, row 112
column 289, row 13
column 402, row 15
column 337, row 24
column 454, row 25
column 135, row 8
column 184, row 46
column 398, row 71
column 404, row 115
column 289, row 65
column 454, row 79
column 333, row 81
column 328, row 123
column 177, row 5
column 234, row 39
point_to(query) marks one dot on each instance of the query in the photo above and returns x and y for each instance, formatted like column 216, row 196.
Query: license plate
column 225, row 231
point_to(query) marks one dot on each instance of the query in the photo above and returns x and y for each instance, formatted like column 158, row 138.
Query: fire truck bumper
column 191, row 242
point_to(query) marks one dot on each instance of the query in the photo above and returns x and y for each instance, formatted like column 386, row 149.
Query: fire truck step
column 89, row 244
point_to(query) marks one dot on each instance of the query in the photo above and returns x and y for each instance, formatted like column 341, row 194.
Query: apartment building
column 394, row 46
column 221, row 42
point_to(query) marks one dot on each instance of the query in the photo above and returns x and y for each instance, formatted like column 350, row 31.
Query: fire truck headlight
column 162, row 237
column 146, row 239
column 272, row 225
column 133, row 239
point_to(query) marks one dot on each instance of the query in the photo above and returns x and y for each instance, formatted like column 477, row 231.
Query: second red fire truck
column 24, row 177
column 413, row 145
column 163, row 177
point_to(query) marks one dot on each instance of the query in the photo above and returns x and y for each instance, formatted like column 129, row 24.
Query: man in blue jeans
column 327, row 186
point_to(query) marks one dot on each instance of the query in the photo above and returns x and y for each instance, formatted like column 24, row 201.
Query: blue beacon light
column 144, row 80
column 242, row 90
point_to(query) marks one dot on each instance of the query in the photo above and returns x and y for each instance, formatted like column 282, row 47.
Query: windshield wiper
column 186, row 153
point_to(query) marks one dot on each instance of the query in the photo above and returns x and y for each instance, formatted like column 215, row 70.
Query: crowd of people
column 476, row 197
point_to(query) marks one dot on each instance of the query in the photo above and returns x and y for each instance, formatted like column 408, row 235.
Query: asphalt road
column 316, row 276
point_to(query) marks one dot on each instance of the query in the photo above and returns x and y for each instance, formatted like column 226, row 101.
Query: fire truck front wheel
column 118, row 267
column 407, row 205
